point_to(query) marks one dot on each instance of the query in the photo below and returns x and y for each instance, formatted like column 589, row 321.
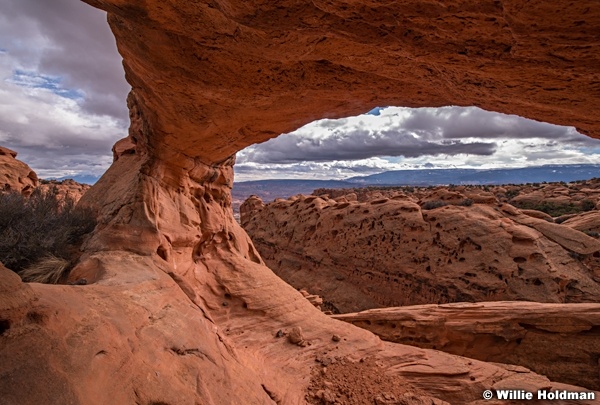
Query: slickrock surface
column 180, row 308
column 588, row 222
column 393, row 252
column 576, row 194
column 16, row 175
column 559, row 341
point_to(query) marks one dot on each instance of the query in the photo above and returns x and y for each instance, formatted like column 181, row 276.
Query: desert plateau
column 384, row 295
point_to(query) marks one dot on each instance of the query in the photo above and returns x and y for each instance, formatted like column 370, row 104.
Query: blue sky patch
column 35, row 80
column 375, row 111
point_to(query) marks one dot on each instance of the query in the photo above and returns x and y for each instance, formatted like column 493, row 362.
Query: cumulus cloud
column 405, row 138
column 68, row 39
column 406, row 132
column 62, row 86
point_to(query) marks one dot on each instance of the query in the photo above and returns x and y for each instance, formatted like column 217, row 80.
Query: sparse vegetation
column 587, row 205
column 40, row 235
column 554, row 209
column 430, row 205
column 512, row 193
column 467, row 202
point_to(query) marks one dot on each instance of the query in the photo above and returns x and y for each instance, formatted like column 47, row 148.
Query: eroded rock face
column 16, row 175
column 559, row 341
column 208, row 79
column 393, row 252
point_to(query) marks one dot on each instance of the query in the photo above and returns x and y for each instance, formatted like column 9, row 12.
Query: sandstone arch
column 181, row 308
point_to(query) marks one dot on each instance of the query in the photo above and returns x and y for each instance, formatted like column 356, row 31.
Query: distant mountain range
column 549, row 173
column 268, row 190
column 271, row 189
column 84, row 179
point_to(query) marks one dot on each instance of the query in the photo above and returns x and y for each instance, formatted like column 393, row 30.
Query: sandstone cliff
column 180, row 308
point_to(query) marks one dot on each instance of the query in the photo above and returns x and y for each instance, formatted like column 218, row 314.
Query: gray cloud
column 62, row 86
column 459, row 123
column 69, row 39
column 410, row 133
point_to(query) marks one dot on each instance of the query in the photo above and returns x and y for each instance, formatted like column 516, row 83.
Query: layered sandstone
column 179, row 307
column 559, row 341
column 16, row 175
column 394, row 252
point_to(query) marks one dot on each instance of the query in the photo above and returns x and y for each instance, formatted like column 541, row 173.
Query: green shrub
column 593, row 234
column 41, row 233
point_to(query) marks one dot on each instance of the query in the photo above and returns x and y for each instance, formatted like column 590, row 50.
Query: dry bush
column 48, row 270
column 431, row 205
column 40, row 226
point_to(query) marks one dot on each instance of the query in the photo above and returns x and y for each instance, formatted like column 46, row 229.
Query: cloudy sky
column 397, row 138
column 62, row 106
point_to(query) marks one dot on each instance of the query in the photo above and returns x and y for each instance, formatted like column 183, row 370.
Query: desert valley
column 385, row 295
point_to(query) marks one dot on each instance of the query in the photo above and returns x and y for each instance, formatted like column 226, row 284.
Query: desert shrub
column 593, row 234
column 587, row 205
column 467, row 202
column 512, row 193
column 430, row 205
column 40, row 233
column 552, row 209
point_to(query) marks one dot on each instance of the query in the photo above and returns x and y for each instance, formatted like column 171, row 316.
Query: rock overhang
column 213, row 77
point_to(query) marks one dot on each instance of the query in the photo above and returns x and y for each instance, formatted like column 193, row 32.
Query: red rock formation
column 559, row 341
column 182, row 307
column 65, row 189
column 222, row 75
column 391, row 252
column 18, row 176
column 15, row 175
